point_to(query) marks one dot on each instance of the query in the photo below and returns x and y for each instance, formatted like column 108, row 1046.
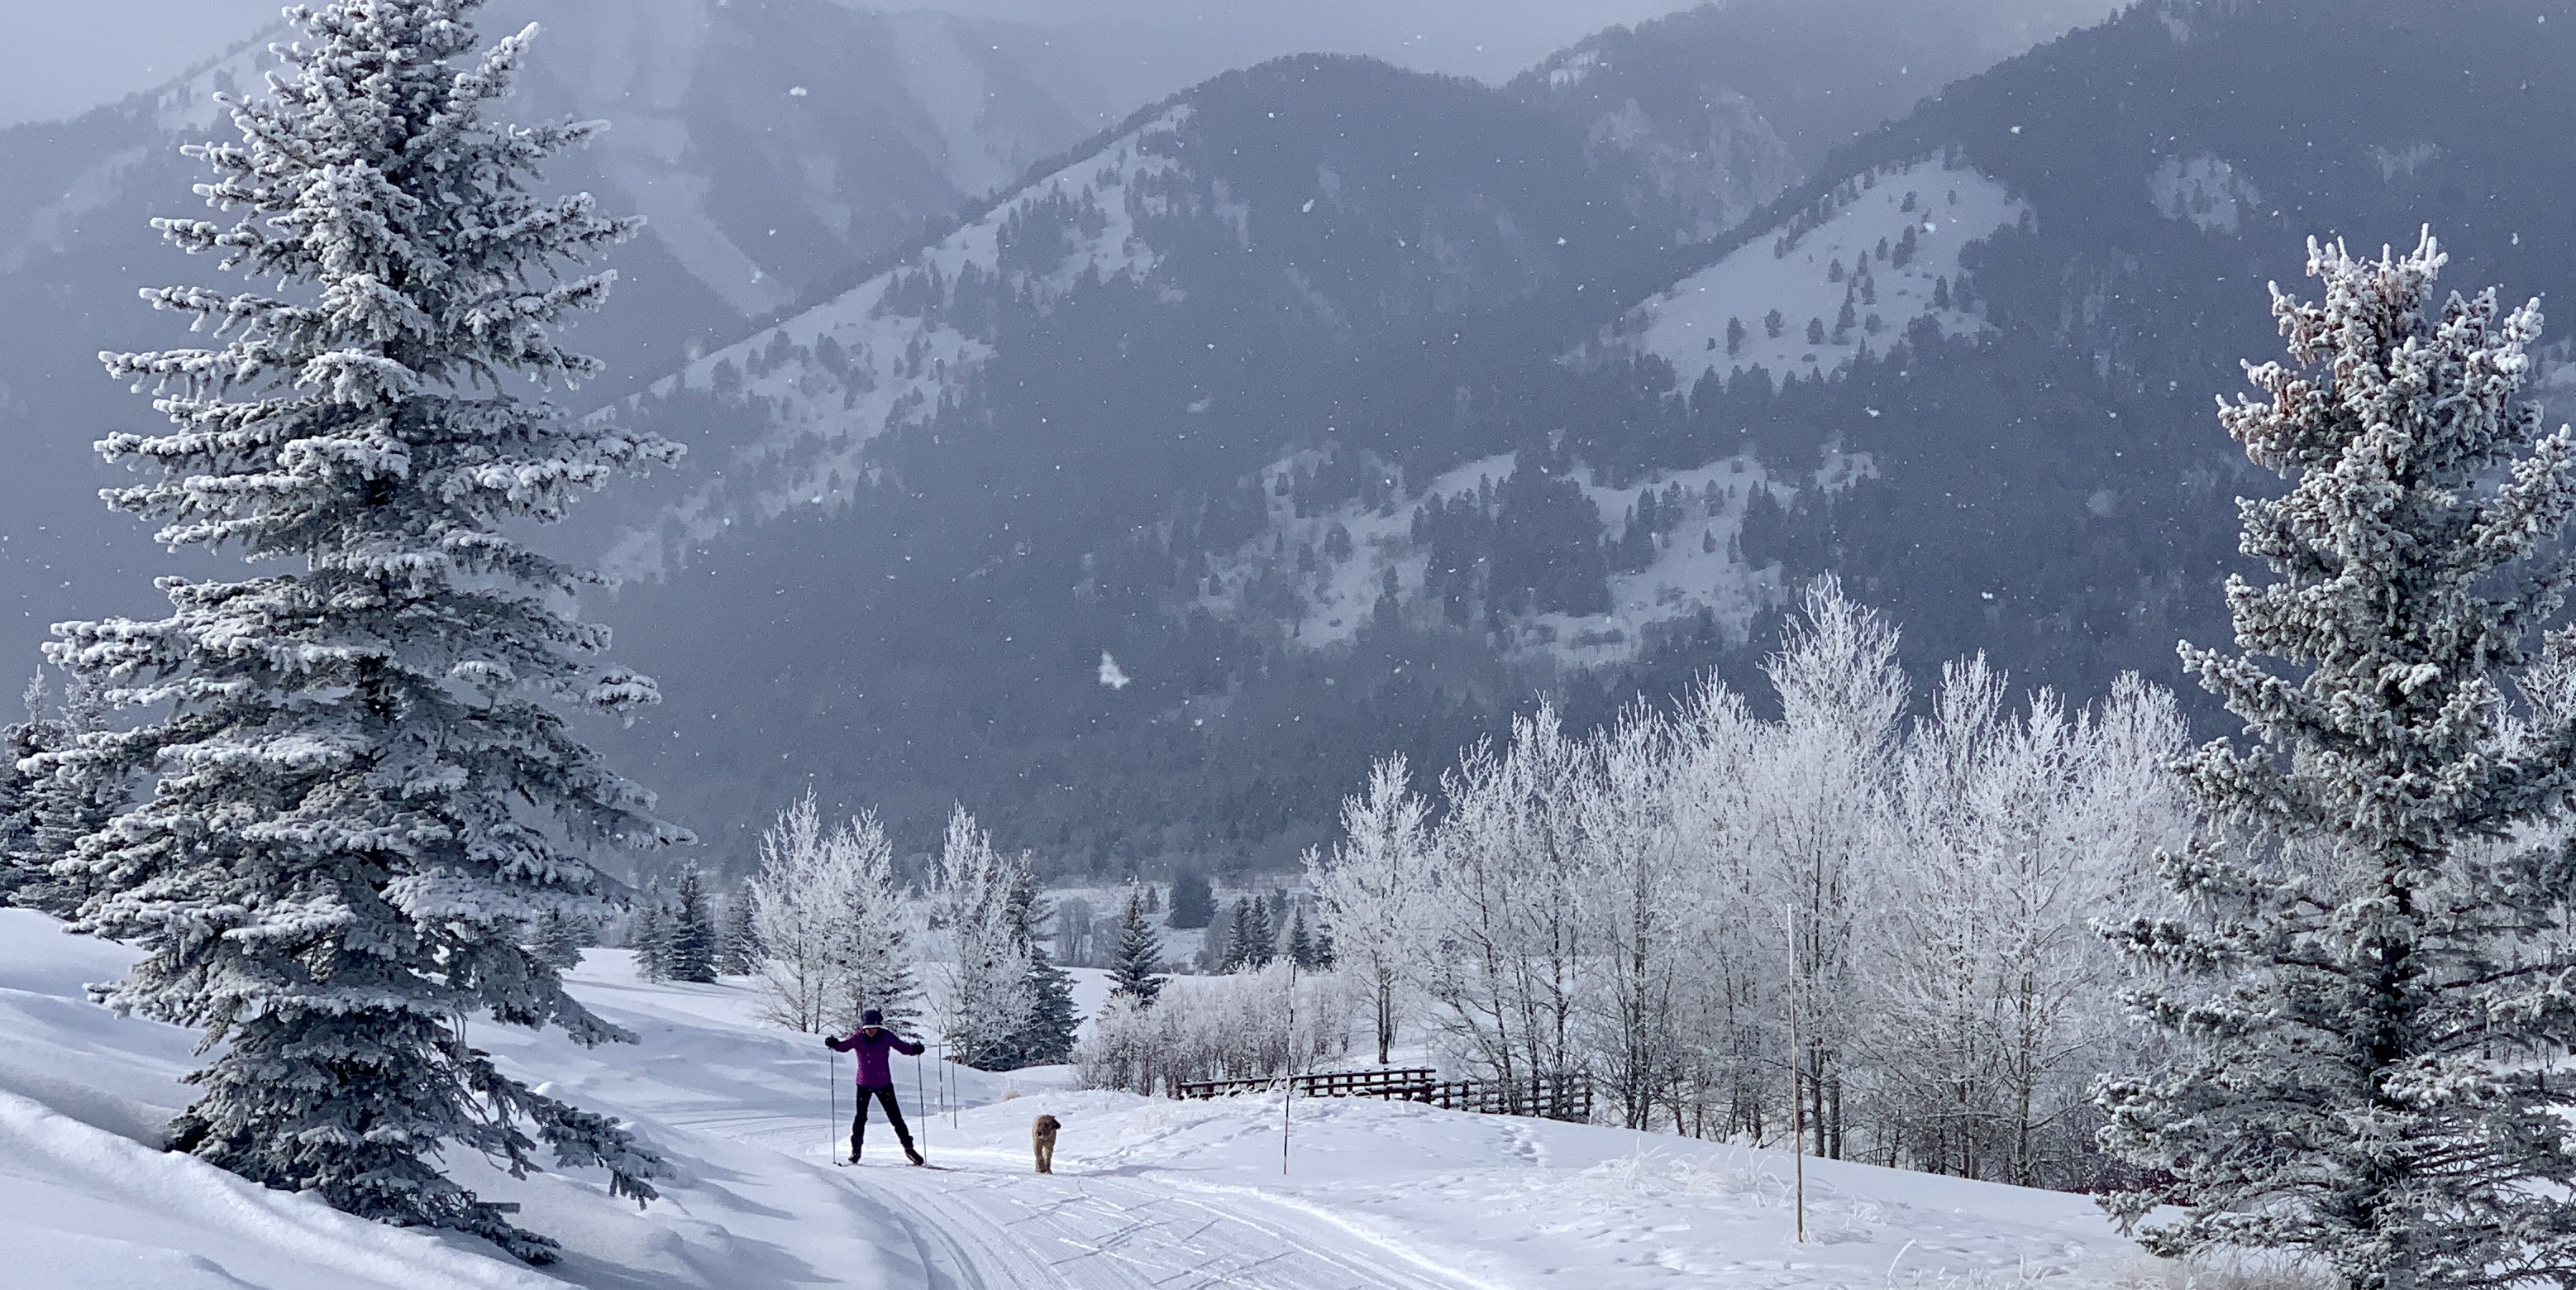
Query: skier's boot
column 916, row 1156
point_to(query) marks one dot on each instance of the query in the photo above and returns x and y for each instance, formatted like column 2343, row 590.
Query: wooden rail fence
column 1556, row 1097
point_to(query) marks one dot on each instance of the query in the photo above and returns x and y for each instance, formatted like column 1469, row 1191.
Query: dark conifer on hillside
column 1193, row 901
column 1248, row 938
column 558, row 939
column 689, row 934
column 737, row 941
column 648, row 933
column 1301, row 947
column 1136, row 964
column 1046, row 1038
column 46, row 808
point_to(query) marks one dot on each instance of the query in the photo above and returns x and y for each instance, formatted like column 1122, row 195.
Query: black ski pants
column 883, row 1093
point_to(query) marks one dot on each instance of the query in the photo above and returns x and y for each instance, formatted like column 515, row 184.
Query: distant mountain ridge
column 770, row 143
column 1334, row 450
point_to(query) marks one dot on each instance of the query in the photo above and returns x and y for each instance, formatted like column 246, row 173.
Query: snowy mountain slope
column 1147, row 1192
column 1888, row 251
column 889, row 352
column 773, row 146
column 1249, row 203
column 1074, row 390
column 1338, row 567
column 1724, row 106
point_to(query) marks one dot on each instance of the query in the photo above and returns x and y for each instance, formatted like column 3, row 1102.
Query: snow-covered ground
column 1147, row 1193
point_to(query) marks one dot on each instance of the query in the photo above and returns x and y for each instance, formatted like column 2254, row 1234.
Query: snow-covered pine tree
column 66, row 800
column 1193, row 901
column 1299, row 945
column 986, row 1002
column 737, row 941
column 1046, row 1037
column 1136, row 965
column 2370, row 983
column 648, row 933
column 558, row 939
column 366, row 788
column 689, row 940
column 1234, row 948
column 18, row 741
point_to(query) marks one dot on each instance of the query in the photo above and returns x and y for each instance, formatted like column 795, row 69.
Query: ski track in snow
column 980, row 1228
column 982, row 1221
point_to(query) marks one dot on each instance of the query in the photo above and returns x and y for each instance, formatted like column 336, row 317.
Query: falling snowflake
column 1112, row 675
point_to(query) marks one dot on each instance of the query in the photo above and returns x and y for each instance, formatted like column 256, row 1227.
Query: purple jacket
column 871, row 1043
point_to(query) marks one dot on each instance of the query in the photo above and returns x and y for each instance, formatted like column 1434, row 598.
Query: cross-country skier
column 870, row 1045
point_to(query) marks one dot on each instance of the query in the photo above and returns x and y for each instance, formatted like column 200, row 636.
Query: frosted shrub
column 1236, row 1026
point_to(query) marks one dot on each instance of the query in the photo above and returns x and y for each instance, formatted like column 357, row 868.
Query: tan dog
column 1042, row 1141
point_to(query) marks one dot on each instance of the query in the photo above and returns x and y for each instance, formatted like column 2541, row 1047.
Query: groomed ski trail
column 981, row 1226
column 984, row 1221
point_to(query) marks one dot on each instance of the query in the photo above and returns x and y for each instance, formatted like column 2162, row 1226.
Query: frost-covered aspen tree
column 2367, row 979
column 366, row 785
column 869, row 927
column 2048, row 963
column 1469, row 930
column 985, row 999
column 1821, row 814
column 2127, row 805
column 1737, row 1040
column 797, row 909
column 832, row 924
column 1638, row 889
column 1508, row 977
column 1550, row 774
column 1938, row 932
column 1370, row 891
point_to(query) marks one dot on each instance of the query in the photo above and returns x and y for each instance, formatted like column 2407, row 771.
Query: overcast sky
column 65, row 56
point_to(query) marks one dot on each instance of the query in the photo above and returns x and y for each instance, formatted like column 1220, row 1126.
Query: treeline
column 1662, row 904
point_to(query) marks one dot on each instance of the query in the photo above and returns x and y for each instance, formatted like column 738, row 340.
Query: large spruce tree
column 367, row 793
column 2367, row 977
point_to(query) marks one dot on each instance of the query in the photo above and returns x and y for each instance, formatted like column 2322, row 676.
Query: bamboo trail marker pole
column 1797, row 1086
column 1288, row 1091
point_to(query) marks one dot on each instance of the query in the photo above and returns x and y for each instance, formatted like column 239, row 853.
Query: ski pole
column 921, row 1102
